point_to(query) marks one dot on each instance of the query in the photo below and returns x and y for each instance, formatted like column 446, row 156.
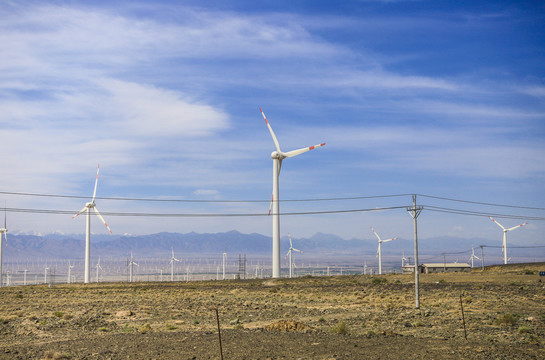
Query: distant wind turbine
column 131, row 263
column 70, row 267
column 277, row 157
column 473, row 256
column 98, row 267
column 172, row 260
column 88, row 207
column 3, row 231
column 290, row 254
column 224, row 260
column 379, row 251
column 504, row 246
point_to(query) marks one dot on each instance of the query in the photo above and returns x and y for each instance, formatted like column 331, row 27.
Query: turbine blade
column 303, row 150
column 101, row 218
column 289, row 236
column 378, row 237
column 388, row 240
column 500, row 225
column 96, row 183
column 297, row 250
column 79, row 212
column 516, row 227
column 272, row 132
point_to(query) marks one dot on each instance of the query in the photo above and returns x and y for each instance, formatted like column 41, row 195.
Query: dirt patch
column 288, row 325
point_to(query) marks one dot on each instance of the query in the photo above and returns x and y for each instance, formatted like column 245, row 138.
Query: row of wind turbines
column 277, row 156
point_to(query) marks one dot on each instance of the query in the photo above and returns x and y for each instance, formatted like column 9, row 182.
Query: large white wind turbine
column 277, row 157
column 379, row 251
column 3, row 231
column 88, row 207
column 504, row 246
column 289, row 254
column 172, row 260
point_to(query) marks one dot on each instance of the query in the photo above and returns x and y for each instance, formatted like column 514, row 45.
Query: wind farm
column 433, row 114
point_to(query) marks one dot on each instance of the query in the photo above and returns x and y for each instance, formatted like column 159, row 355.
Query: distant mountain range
column 59, row 246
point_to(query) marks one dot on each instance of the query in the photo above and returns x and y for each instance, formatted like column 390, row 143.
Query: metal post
column 414, row 212
column 482, row 257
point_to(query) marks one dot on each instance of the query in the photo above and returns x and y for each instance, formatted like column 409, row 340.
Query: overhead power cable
column 200, row 200
column 481, row 213
column 136, row 214
column 481, row 203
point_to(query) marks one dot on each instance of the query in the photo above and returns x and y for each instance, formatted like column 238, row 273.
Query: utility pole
column 482, row 257
column 414, row 212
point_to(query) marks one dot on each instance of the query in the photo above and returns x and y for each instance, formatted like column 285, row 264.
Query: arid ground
column 343, row 317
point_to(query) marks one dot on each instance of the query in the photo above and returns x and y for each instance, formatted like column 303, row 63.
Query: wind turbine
column 473, row 256
column 131, row 263
column 3, row 231
column 289, row 254
column 172, row 260
column 98, row 267
column 379, row 252
column 504, row 246
column 88, row 207
column 277, row 157
column 70, row 267
column 224, row 260
column 403, row 259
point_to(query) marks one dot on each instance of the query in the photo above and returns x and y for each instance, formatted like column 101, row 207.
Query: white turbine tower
column 289, row 254
column 98, row 268
column 473, row 256
column 70, row 267
column 224, row 263
column 88, row 207
column 131, row 263
column 504, row 246
column 172, row 260
column 379, row 251
column 277, row 157
column 3, row 231
column 403, row 259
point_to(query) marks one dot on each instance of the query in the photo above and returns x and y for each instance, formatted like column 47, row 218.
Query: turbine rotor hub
column 276, row 155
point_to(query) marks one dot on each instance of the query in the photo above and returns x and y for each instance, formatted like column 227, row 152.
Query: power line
column 200, row 200
column 481, row 203
column 480, row 213
column 136, row 214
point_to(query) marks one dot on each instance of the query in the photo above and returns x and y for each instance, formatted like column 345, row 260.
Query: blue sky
column 420, row 97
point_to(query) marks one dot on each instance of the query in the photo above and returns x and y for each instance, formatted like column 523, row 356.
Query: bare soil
column 344, row 317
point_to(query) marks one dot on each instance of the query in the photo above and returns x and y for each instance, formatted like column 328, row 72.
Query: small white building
column 443, row 267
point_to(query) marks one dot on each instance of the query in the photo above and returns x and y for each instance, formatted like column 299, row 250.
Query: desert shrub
column 103, row 329
column 340, row 328
column 442, row 281
column 58, row 314
column 419, row 324
column 322, row 320
column 171, row 327
column 55, row 355
column 371, row 333
column 528, row 272
column 379, row 280
column 524, row 329
column 144, row 328
column 506, row 319
column 238, row 327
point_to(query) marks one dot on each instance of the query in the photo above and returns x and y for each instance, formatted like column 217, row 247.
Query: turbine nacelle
column 90, row 205
column 278, row 155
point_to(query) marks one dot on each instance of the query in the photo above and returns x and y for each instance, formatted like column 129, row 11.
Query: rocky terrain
column 341, row 317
